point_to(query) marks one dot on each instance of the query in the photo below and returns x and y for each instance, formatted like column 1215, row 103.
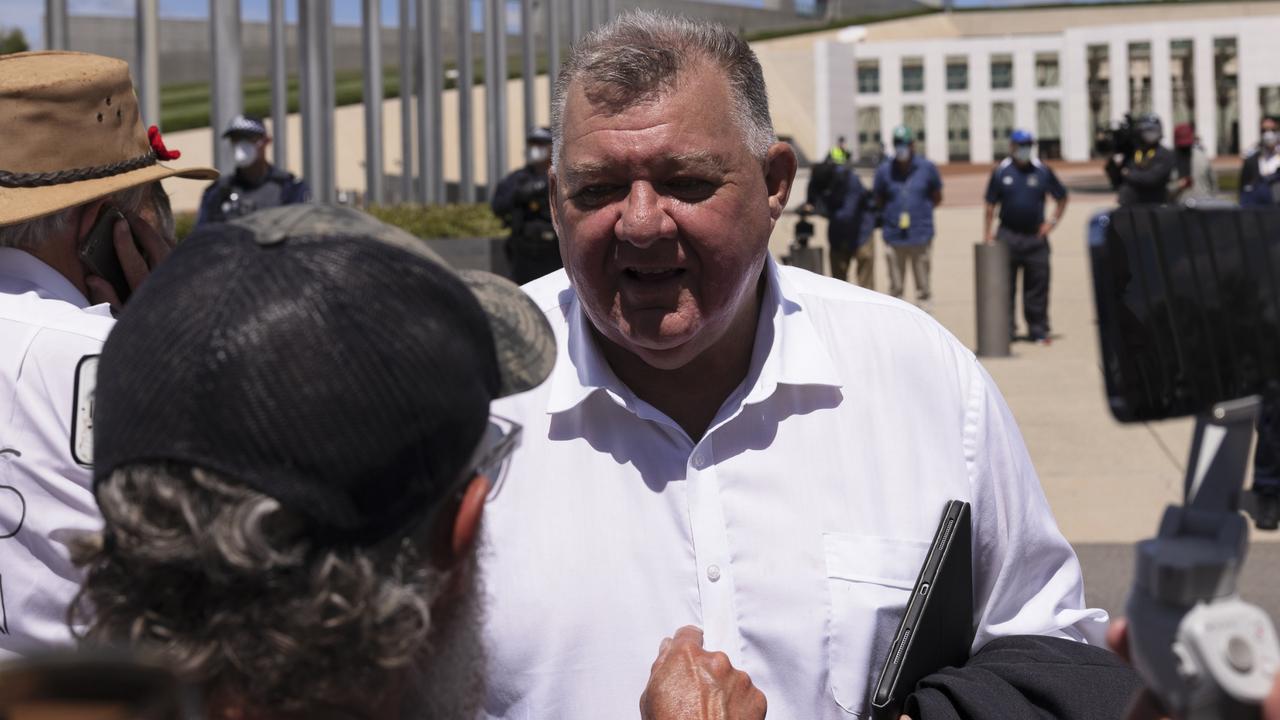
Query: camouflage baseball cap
column 525, row 345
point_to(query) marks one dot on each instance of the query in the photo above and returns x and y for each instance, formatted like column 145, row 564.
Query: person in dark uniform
column 1019, row 185
column 1260, row 174
column 1141, row 174
column 523, row 203
column 847, row 205
column 256, row 183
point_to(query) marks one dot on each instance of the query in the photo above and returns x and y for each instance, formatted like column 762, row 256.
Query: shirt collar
column 51, row 284
column 788, row 351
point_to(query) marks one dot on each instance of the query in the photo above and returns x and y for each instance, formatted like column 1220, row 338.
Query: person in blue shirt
column 907, row 188
column 1019, row 185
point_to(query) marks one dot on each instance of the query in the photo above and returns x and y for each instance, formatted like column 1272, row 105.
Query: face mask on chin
column 245, row 152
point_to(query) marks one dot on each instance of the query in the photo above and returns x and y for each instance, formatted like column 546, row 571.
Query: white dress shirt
column 46, row 326
column 792, row 533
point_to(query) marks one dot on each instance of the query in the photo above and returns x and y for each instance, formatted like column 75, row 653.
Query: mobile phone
column 98, row 253
column 936, row 630
column 1188, row 303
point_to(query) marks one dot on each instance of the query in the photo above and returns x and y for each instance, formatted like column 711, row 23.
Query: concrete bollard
column 991, row 291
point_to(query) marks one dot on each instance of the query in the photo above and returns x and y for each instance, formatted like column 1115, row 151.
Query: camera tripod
column 1204, row 651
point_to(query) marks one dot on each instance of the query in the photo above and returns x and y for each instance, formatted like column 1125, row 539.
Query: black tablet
column 937, row 629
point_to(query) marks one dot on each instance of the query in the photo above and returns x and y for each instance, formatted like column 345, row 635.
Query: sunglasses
column 493, row 457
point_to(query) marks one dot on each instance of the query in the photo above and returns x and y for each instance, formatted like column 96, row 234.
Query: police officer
column 523, row 202
column 256, row 183
column 1141, row 173
column 1019, row 185
column 1260, row 175
column 906, row 189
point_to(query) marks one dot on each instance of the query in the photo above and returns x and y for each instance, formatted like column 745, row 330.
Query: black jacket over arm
column 1029, row 677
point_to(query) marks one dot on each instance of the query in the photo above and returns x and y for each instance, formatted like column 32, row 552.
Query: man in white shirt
column 83, row 149
column 758, row 451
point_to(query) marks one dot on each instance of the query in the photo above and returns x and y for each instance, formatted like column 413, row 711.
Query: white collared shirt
column 792, row 533
column 46, row 326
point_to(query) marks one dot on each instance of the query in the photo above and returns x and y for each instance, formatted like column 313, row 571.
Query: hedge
column 424, row 221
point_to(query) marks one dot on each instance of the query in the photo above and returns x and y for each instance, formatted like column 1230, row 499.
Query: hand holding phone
column 119, row 255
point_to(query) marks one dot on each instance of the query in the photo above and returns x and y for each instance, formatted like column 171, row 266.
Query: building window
column 1001, row 128
column 1139, row 77
column 1269, row 100
column 1227, row 94
column 1047, row 70
column 912, row 75
column 1001, row 72
column 1098, row 72
column 1182, row 68
column 913, row 117
column 958, row 132
column 1049, row 129
column 957, row 73
column 869, row 145
column 868, row 77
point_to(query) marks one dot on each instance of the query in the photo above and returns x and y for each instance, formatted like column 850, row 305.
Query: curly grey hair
column 641, row 54
column 28, row 235
column 222, row 583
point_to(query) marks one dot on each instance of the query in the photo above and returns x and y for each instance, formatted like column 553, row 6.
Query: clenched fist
column 689, row 683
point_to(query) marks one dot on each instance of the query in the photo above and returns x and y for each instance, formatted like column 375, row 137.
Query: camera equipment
column 1120, row 139
column 800, row 254
column 1187, row 317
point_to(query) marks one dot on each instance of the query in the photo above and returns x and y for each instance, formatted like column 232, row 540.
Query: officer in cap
column 256, row 183
column 1141, row 173
column 523, row 203
column 1019, row 185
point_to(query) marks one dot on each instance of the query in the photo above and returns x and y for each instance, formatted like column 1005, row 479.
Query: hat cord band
column 59, row 177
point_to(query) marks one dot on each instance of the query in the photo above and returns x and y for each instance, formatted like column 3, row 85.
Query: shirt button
column 699, row 460
column 713, row 572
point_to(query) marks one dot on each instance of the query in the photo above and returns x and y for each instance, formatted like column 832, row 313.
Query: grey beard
column 447, row 681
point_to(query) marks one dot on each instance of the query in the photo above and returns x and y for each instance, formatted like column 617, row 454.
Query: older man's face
column 664, row 216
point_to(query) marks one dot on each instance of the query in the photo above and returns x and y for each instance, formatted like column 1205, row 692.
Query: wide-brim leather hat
column 71, row 133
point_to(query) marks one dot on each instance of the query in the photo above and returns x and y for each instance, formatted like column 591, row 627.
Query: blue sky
column 28, row 14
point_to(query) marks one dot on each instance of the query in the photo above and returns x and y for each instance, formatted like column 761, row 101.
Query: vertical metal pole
column 608, row 12
column 147, row 40
column 529, row 69
column 406, row 102
column 279, row 88
column 466, row 82
column 430, row 95
column 553, row 44
column 491, row 95
column 588, row 16
column 56, row 34
column 500, row 91
column 991, row 289
column 316, row 128
column 372, row 31
column 224, row 40
column 575, row 20
column 325, row 14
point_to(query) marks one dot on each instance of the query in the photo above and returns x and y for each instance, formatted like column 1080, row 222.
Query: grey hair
column 641, row 54
column 223, row 584
column 30, row 234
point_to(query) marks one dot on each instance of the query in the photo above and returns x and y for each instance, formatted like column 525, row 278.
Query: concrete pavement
column 1107, row 483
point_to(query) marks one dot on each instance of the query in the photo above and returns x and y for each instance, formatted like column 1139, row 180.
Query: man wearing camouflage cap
column 292, row 485
column 76, row 167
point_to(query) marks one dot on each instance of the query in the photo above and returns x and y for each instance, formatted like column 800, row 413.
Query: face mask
column 902, row 152
column 245, row 153
column 1270, row 138
column 538, row 154
column 1022, row 154
column 1151, row 137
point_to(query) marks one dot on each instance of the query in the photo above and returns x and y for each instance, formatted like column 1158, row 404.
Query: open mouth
column 652, row 274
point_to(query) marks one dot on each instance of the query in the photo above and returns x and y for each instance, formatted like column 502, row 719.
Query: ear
column 466, row 525
column 779, row 174
column 88, row 216
column 553, row 190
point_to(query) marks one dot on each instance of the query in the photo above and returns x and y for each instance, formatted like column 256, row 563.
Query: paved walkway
column 1107, row 483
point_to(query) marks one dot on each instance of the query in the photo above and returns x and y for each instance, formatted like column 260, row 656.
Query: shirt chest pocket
column 869, row 580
